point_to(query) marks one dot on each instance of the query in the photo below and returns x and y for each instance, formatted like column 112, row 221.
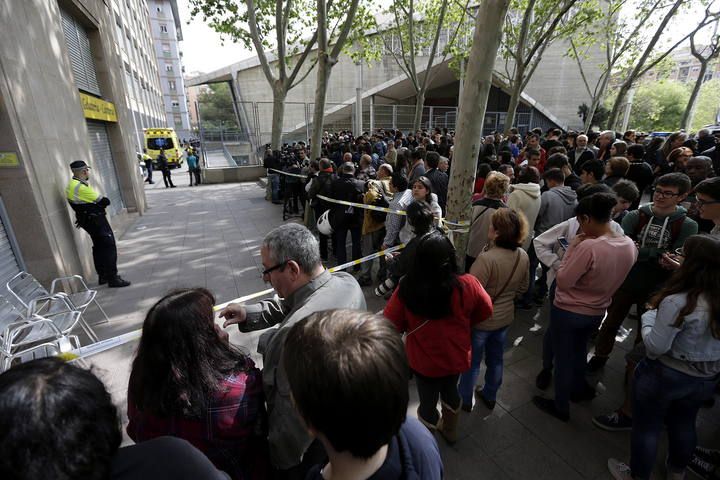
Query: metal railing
column 298, row 123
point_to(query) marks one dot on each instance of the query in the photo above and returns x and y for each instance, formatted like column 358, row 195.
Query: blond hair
column 496, row 185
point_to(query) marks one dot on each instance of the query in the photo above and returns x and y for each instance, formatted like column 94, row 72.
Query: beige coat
column 493, row 268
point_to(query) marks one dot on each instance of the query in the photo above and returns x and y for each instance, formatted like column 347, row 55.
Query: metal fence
column 247, row 141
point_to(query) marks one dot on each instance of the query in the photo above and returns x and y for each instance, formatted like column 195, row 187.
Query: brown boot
column 448, row 423
column 429, row 425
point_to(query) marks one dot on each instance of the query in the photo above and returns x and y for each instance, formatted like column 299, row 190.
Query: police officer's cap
column 78, row 164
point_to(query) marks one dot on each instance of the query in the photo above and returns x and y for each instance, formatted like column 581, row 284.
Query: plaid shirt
column 232, row 432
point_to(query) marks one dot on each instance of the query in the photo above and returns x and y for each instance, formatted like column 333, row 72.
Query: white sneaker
column 619, row 470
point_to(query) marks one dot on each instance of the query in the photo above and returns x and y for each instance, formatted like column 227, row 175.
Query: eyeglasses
column 701, row 203
column 268, row 271
column 665, row 194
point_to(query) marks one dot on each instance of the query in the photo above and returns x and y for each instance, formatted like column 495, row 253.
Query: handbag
column 507, row 282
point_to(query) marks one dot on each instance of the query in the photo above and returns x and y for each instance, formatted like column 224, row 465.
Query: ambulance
column 165, row 138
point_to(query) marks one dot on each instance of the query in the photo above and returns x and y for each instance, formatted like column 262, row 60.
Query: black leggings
column 432, row 388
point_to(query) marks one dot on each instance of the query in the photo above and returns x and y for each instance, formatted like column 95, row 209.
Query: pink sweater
column 591, row 272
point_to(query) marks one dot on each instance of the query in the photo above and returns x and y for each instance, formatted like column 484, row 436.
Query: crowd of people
column 556, row 217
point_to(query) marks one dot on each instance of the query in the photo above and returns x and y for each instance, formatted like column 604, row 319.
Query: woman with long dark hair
column 188, row 381
column 437, row 308
column 681, row 334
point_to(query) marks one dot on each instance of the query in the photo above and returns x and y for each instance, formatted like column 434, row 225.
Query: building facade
column 62, row 98
column 134, row 45
column 165, row 27
column 685, row 67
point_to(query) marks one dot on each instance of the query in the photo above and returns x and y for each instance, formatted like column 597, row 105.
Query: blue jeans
column 569, row 334
column 492, row 344
column 274, row 179
column 664, row 396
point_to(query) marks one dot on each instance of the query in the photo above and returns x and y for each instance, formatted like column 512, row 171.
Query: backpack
column 675, row 225
column 380, row 201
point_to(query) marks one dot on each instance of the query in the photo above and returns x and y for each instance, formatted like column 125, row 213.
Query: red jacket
column 442, row 346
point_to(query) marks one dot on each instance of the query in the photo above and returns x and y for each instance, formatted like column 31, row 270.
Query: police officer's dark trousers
column 104, row 249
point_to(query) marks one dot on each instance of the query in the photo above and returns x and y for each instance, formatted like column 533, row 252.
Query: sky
column 202, row 49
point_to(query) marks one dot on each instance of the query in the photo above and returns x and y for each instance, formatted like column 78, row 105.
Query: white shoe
column 619, row 470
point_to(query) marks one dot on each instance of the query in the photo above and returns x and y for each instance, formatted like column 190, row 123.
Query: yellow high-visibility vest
column 79, row 192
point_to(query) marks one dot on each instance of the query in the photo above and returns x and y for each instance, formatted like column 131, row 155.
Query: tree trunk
column 512, row 108
column 689, row 113
column 473, row 103
column 515, row 92
column 595, row 103
column 617, row 105
column 323, row 76
column 419, row 105
column 279, row 96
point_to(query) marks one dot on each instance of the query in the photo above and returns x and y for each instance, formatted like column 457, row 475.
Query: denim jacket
column 691, row 342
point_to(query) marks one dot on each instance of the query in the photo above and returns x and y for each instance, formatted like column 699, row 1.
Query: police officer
column 89, row 209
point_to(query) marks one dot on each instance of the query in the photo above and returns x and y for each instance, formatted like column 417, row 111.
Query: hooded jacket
column 656, row 237
column 556, row 205
column 525, row 198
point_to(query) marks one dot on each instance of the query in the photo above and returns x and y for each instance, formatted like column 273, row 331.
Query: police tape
column 288, row 173
column 107, row 344
column 362, row 205
column 337, row 268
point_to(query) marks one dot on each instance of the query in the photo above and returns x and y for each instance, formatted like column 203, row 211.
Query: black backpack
column 380, row 201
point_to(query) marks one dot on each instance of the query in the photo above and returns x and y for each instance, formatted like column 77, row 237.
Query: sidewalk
column 210, row 236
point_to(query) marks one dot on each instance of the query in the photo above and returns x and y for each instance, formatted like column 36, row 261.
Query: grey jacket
column 288, row 437
column 556, row 205
column 691, row 343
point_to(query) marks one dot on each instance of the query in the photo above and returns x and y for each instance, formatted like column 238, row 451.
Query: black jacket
column 347, row 188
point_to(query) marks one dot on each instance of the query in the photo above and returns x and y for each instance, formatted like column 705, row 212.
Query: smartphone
column 564, row 244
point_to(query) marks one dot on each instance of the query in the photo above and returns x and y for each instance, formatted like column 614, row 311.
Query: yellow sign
column 97, row 109
column 9, row 159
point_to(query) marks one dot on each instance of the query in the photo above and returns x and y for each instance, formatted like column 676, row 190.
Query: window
column 172, row 85
column 158, row 143
column 168, row 67
column 177, row 119
column 163, row 29
column 175, row 104
column 166, row 49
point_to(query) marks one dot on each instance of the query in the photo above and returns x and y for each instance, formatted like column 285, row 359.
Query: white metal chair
column 81, row 297
column 21, row 335
column 57, row 307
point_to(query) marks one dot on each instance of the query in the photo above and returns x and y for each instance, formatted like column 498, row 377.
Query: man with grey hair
column 605, row 141
column 291, row 263
column 581, row 153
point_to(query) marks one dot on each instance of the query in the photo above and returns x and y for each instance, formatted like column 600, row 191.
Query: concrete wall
column 41, row 119
column 253, row 87
column 557, row 85
column 232, row 174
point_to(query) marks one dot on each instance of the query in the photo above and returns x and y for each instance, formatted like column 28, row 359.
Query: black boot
column 118, row 282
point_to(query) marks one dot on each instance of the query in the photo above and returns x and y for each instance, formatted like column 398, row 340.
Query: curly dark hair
column 181, row 360
column 56, row 421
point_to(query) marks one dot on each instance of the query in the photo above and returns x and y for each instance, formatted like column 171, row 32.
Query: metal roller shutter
column 103, row 165
column 81, row 59
column 10, row 265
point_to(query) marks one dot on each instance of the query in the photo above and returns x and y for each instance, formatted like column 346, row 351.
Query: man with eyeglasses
column 291, row 263
column 658, row 227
